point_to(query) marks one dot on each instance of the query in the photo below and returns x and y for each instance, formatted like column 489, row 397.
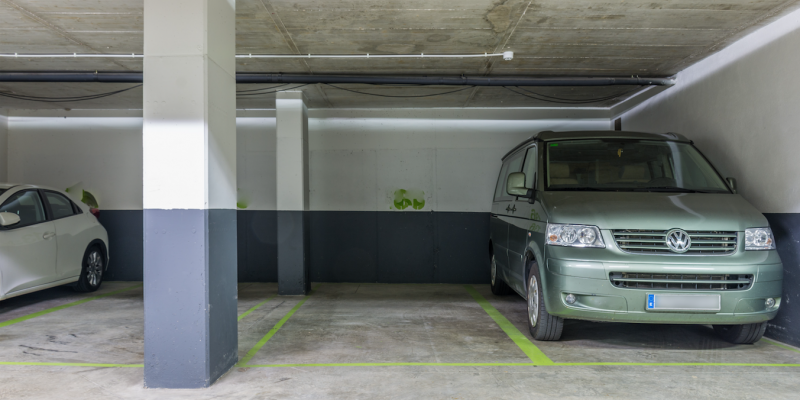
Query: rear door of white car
column 28, row 248
column 71, row 234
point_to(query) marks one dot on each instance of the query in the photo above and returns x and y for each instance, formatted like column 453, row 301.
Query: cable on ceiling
column 260, row 89
column 385, row 95
column 581, row 100
column 507, row 55
column 45, row 99
column 550, row 99
column 274, row 91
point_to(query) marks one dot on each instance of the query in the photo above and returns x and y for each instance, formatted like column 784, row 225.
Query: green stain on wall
column 77, row 192
column 409, row 198
column 243, row 200
column 88, row 199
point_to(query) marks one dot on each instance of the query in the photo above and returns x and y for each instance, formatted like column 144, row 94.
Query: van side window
column 498, row 190
column 531, row 162
column 512, row 164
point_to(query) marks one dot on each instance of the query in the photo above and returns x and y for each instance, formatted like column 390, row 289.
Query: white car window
column 60, row 206
column 27, row 205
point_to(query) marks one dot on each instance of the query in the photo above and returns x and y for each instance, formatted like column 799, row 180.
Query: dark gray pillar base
column 293, row 259
column 190, row 295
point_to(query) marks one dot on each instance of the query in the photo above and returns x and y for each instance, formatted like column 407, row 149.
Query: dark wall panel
column 125, row 244
column 344, row 246
column 786, row 326
column 258, row 246
column 406, row 247
column 462, row 247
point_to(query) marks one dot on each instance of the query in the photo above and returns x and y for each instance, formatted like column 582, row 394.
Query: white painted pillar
column 189, row 152
column 292, row 192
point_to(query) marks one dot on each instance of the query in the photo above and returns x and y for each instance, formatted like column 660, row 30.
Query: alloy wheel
column 94, row 268
column 494, row 271
column 533, row 300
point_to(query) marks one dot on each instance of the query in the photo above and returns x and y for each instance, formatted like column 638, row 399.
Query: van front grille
column 637, row 280
column 640, row 241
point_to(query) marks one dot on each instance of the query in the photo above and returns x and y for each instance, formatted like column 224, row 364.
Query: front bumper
column 599, row 300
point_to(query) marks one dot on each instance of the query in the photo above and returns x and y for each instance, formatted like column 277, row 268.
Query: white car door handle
column 48, row 235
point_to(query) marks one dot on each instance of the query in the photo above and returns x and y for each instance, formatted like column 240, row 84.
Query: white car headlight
column 759, row 239
column 574, row 235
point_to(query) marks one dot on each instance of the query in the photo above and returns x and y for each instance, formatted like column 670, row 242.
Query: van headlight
column 574, row 235
column 759, row 239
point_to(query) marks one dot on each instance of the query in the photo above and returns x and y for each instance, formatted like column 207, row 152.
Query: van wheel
column 499, row 287
column 741, row 334
column 542, row 325
column 92, row 272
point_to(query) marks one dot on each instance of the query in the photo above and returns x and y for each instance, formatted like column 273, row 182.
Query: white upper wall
column 452, row 163
column 102, row 155
column 740, row 106
column 451, row 159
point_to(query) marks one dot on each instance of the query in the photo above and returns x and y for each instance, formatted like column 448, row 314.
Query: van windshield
column 630, row 165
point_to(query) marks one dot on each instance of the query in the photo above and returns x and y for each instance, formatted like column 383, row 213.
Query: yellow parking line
column 61, row 307
column 530, row 350
column 246, row 313
column 48, row 364
column 250, row 354
column 781, row 345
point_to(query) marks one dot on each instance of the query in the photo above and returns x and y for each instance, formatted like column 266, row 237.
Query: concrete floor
column 322, row 347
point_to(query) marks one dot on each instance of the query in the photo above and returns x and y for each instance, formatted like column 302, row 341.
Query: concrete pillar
column 292, row 193
column 189, row 140
column 3, row 145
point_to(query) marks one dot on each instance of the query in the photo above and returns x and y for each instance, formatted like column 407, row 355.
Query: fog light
column 770, row 302
column 571, row 299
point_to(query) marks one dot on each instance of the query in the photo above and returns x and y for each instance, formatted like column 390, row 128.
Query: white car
column 46, row 240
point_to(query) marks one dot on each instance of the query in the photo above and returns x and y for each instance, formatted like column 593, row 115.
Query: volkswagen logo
column 678, row 241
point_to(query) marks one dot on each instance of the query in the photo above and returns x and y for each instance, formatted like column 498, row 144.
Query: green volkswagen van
column 630, row 227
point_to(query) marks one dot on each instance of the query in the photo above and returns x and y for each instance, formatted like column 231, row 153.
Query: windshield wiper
column 668, row 189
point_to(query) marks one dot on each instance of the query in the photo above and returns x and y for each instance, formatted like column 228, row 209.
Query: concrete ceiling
column 549, row 37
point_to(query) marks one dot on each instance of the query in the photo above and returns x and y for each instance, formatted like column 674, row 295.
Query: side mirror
column 732, row 184
column 7, row 219
column 515, row 185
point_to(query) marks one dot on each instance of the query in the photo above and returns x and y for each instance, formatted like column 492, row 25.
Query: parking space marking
column 47, row 364
column 397, row 364
column 676, row 364
column 527, row 347
column 250, row 354
column 63, row 306
column 246, row 313
column 781, row 345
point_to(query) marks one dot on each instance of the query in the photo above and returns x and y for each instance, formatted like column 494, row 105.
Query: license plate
column 683, row 302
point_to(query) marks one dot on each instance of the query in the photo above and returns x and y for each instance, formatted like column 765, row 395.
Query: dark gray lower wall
column 345, row 246
column 786, row 326
column 126, row 244
column 434, row 247
column 399, row 247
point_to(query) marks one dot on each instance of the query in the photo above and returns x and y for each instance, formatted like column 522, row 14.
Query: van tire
column 92, row 269
column 499, row 288
column 544, row 326
column 741, row 334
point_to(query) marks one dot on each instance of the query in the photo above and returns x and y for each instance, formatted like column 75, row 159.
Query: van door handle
column 48, row 235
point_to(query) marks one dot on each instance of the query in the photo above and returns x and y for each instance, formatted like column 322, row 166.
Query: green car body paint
column 632, row 227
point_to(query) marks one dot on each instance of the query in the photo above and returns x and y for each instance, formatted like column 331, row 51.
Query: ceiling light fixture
column 507, row 55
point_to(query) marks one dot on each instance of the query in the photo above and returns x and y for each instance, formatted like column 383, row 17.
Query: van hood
column 653, row 211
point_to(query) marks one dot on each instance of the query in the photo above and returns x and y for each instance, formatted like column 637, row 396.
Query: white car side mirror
column 7, row 218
